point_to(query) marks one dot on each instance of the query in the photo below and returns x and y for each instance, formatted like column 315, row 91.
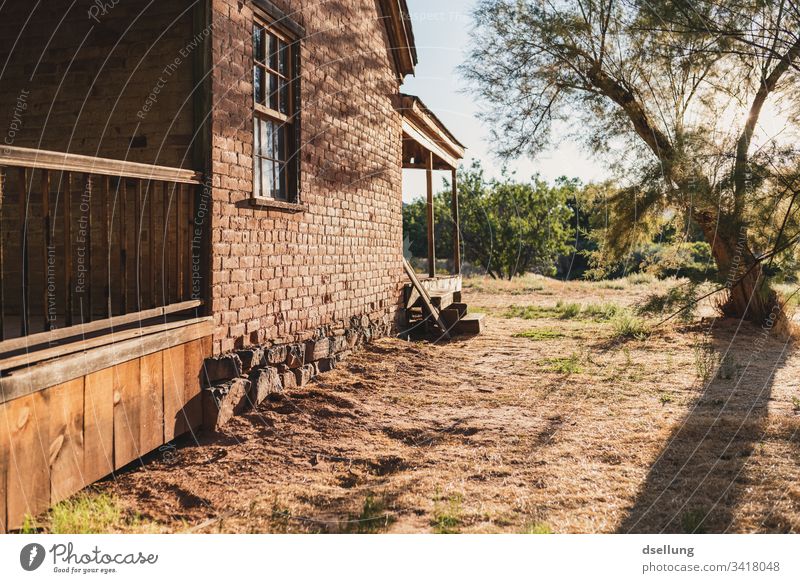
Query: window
column 276, row 119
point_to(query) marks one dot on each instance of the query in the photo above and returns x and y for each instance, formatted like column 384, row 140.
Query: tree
column 509, row 227
column 672, row 92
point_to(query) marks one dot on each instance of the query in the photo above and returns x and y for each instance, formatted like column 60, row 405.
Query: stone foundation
column 239, row 381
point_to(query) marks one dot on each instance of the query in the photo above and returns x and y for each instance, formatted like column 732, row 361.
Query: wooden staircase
column 440, row 313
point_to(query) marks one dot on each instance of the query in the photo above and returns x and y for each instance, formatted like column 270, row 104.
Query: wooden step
column 441, row 301
column 470, row 324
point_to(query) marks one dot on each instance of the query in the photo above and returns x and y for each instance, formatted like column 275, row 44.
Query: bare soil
column 579, row 432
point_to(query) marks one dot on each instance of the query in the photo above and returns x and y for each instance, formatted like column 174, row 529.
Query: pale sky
column 442, row 36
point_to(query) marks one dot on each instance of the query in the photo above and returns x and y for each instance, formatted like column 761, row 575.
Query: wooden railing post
column 456, row 226
column 48, row 243
column 23, row 217
column 431, row 217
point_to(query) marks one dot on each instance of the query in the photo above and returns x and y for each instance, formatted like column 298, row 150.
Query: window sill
column 271, row 203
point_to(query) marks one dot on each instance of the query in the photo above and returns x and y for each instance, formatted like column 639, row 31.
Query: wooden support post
column 47, row 244
column 456, row 226
column 123, row 239
column 23, row 217
column 431, row 217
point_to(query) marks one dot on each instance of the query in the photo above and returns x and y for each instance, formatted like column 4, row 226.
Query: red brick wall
column 279, row 277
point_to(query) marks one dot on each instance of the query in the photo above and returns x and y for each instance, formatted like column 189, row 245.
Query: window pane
column 273, row 52
column 257, row 176
column 258, row 43
column 267, row 141
column 256, row 136
column 282, row 191
column 280, row 145
column 283, row 58
column 284, row 98
column 267, row 178
column 258, row 85
column 274, row 85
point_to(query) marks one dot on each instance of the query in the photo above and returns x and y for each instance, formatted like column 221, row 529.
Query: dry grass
column 577, row 431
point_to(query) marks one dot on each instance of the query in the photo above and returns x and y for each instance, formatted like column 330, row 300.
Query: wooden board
column 66, row 409
column 174, row 393
column 98, row 434
column 426, row 299
column 28, row 472
column 151, row 428
column 195, row 355
column 127, row 413
column 35, row 378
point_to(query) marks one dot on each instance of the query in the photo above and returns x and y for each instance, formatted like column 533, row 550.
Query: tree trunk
column 749, row 296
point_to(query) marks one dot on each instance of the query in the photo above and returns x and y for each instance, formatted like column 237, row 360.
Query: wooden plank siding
column 56, row 441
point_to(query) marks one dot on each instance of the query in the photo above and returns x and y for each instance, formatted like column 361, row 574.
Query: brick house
column 200, row 205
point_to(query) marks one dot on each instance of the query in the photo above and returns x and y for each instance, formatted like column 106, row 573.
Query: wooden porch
column 434, row 303
column 103, row 329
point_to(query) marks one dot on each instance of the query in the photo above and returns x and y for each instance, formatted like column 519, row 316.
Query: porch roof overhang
column 423, row 134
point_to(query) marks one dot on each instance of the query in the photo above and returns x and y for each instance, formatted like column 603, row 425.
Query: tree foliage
column 672, row 94
column 507, row 227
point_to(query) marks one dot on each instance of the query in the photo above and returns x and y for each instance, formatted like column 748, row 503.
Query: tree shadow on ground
column 704, row 473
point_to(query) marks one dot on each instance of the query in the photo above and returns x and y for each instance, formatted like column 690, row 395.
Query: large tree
column 673, row 93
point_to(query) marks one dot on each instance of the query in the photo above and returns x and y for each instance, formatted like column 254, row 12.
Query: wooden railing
column 86, row 239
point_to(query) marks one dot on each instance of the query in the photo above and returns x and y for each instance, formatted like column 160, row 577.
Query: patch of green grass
column 796, row 404
column 626, row 325
column 601, row 312
column 705, row 360
column 569, row 365
column 616, row 284
column 692, row 522
column 565, row 311
column 569, row 310
column 373, row 518
column 89, row 513
column 728, row 367
column 530, row 312
column 540, row 334
column 640, row 279
column 538, row 528
column 665, row 398
column 447, row 515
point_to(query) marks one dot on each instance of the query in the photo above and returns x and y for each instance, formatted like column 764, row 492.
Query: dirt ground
column 567, row 430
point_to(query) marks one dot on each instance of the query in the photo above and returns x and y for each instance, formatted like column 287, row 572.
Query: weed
column 447, row 515
column 538, row 528
column 665, row 398
column 640, row 279
column 682, row 297
column 568, row 311
column 568, row 365
column 616, row 284
column 88, row 513
column 626, row 325
column 728, row 367
column 540, row 334
column 692, row 522
column 601, row 312
column 373, row 518
column 795, row 404
column 705, row 360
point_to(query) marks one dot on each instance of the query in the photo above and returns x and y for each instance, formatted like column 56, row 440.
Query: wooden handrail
column 81, row 330
column 43, row 159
